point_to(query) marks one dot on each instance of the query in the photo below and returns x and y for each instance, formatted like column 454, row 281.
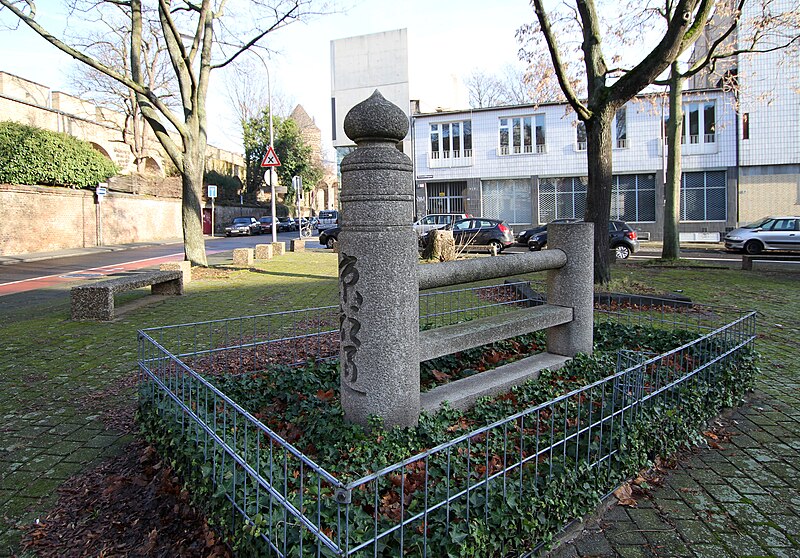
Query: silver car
column 769, row 233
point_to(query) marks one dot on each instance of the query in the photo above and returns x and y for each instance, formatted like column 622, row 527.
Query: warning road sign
column 270, row 159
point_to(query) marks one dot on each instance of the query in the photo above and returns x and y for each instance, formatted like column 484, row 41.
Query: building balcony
column 449, row 159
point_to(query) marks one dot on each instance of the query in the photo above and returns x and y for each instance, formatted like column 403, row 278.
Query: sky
column 447, row 40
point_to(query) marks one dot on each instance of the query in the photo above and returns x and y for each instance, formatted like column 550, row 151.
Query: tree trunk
column 598, row 196
column 671, row 249
column 194, row 246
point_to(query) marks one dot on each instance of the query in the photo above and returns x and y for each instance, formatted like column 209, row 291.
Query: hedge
column 30, row 155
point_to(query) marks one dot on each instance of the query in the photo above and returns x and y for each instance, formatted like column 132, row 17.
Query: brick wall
column 41, row 219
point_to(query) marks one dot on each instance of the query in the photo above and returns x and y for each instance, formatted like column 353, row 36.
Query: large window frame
column 450, row 140
column 446, row 197
column 521, row 135
column 619, row 127
column 509, row 200
column 704, row 197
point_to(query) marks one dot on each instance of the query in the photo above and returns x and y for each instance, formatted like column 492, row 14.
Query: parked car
column 286, row 224
column 479, row 231
column 769, row 233
column 328, row 219
column 265, row 223
column 329, row 236
column 437, row 221
column 243, row 226
column 622, row 239
column 524, row 236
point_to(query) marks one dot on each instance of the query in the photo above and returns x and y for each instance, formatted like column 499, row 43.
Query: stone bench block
column 96, row 301
column 298, row 245
column 279, row 248
column 243, row 257
column 264, row 251
column 184, row 267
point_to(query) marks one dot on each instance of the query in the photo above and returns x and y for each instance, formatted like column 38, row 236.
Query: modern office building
column 527, row 164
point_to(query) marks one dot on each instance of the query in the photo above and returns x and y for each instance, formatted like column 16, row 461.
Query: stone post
column 378, row 286
column 572, row 285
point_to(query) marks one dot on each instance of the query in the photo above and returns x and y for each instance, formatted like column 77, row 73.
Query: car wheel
column 753, row 247
column 622, row 252
column 495, row 247
column 330, row 242
column 534, row 247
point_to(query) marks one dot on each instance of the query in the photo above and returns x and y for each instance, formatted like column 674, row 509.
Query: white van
column 437, row 221
column 328, row 219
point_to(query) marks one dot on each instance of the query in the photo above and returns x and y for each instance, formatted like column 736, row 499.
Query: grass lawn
column 67, row 386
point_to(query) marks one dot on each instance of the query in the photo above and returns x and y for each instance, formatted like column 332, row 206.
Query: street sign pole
column 269, row 161
column 212, row 193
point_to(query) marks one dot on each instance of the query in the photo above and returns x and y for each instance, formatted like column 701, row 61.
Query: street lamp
column 271, row 185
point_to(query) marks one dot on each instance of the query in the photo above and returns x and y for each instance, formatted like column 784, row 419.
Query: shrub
column 30, row 155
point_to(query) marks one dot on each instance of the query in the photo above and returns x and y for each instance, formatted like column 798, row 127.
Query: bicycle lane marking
column 33, row 283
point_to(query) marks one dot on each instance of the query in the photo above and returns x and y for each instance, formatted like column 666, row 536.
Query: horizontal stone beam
column 444, row 274
column 451, row 339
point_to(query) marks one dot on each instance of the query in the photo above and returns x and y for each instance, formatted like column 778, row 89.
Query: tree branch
column 558, row 64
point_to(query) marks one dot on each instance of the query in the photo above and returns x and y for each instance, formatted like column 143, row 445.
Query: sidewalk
column 69, row 252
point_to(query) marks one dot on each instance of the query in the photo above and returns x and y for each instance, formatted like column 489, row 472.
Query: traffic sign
column 212, row 191
column 270, row 159
column 101, row 189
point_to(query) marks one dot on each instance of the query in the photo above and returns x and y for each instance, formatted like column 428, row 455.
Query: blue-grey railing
column 297, row 508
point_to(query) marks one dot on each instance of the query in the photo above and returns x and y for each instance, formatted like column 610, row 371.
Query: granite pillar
column 378, row 285
column 573, row 286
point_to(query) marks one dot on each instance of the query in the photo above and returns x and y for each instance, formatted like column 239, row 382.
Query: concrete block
column 184, row 267
column 264, row 251
column 298, row 245
column 243, row 257
column 279, row 248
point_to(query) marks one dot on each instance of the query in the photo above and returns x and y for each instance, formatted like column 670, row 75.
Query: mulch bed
column 131, row 505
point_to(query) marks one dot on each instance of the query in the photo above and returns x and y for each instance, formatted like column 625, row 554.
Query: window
column 704, row 196
column 508, row 200
column 746, row 126
column 561, row 198
column 633, row 197
column 621, row 129
column 580, row 136
column 522, row 134
column 451, row 140
column 446, row 197
column 700, row 123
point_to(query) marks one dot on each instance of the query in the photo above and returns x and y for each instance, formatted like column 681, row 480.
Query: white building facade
column 527, row 164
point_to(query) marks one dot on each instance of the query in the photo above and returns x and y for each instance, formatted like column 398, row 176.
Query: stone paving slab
column 743, row 500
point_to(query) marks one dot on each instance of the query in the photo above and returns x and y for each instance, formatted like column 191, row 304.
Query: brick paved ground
column 743, row 500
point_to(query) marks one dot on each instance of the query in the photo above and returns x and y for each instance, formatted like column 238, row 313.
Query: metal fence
column 291, row 506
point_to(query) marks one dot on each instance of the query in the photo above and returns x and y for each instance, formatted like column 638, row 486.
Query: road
column 59, row 272
column 28, row 276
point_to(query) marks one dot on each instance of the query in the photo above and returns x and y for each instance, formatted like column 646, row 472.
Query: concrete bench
column 96, row 301
column 771, row 262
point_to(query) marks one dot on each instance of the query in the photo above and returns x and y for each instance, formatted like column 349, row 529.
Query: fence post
column 378, row 285
column 572, row 285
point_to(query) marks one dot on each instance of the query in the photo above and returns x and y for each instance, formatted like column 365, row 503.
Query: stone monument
column 379, row 313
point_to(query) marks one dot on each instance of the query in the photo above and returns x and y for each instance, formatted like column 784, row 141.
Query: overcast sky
column 446, row 38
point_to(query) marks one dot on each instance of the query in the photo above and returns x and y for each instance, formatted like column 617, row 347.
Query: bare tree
column 200, row 37
column 485, row 90
column 770, row 29
column 111, row 47
column 684, row 19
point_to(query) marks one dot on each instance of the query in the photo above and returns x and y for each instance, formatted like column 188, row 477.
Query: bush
column 30, row 155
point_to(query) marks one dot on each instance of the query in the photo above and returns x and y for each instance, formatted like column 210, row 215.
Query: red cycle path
column 81, row 275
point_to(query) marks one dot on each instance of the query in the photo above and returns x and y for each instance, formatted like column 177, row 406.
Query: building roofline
column 26, row 79
column 555, row 103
